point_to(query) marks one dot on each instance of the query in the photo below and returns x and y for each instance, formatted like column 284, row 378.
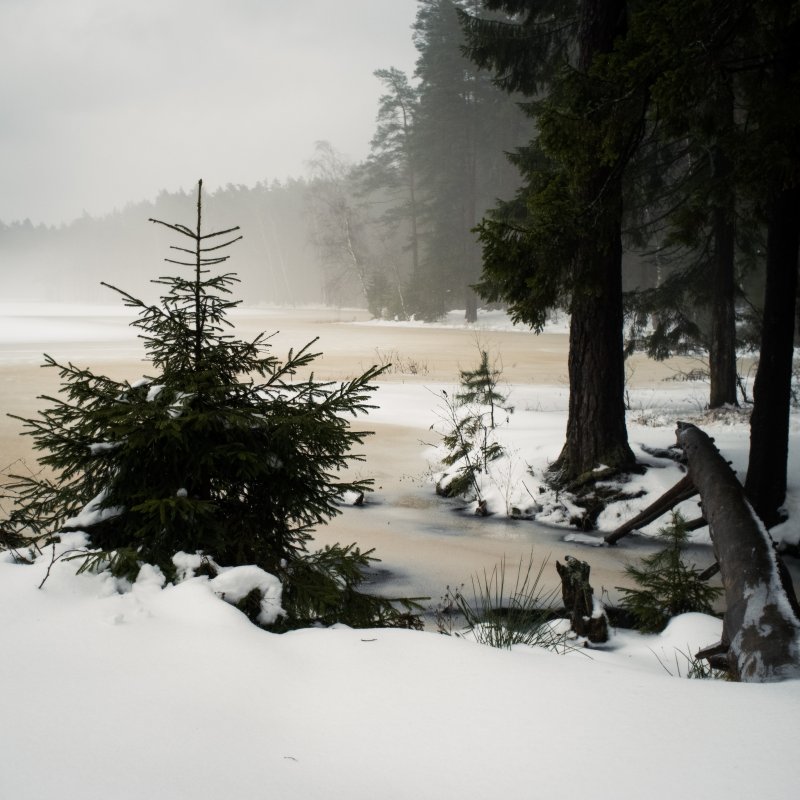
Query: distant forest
column 275, row 259
column 395, row 233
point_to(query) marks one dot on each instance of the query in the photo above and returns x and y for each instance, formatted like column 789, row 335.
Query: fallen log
column 682, row 490
column 696, row 524
column 761, row 627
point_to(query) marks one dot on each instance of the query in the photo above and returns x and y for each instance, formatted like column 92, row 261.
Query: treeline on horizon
column 344, row 234
column 395, row 233
column 66, row 263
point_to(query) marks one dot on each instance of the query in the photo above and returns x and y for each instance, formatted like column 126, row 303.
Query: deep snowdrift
column 171, row 693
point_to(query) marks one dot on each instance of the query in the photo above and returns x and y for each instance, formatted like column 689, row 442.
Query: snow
column 43, row 322
column 98, row 448
column 166, row 691
column 92, row 513
column 488, row 320
column 235, row 583
column 160, row 690
column 534, row 434
column 584, row 538
column 153, row 392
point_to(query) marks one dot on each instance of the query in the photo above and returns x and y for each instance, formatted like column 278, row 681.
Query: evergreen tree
column 470, row 442
column 772, row 158
column 464, row 125
column 226, row 450
column 710, row 83
column 691, row 188
column 479, row 385
column 693, row 306
column 668, row 586
column 560, row 240
column 392, row 165
column 446, row 139
column 745, row 55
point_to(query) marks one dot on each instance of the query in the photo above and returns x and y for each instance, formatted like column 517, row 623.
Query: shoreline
column 422, row 542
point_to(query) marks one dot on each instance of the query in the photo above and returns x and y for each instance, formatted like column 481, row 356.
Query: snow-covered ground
column 171, row 693
column 488, row 320
column 162, row 691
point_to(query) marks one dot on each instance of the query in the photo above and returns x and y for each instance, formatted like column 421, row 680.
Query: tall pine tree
column 686, row 182
column 772, row 156
column 464, row 126
column 393, row 160
column 560, row 241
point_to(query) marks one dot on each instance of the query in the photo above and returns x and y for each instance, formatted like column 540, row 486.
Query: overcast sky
column 103, row 102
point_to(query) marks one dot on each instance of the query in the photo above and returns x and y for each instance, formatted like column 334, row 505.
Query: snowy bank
column 169, row 692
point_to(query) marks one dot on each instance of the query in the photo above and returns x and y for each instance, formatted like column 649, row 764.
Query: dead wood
column 587, row 616
column 761, row 627
column 682, row 490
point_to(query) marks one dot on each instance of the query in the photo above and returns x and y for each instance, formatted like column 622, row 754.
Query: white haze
column 108, row 103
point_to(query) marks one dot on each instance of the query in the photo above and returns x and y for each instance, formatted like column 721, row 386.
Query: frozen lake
column 425, row 543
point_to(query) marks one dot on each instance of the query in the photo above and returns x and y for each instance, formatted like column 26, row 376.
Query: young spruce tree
column 668, row 585
column 479, row 385
column 226, row 451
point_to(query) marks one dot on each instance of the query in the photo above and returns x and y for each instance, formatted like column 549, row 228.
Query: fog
column 274, row 260
column 354, row 143
column 110, row 103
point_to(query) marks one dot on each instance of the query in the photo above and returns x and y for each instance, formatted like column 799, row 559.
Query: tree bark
column 472, row 263
column 587, row 617
column 772, row 390
column 596, row 432
column 722, row 349
column 761, row 627
column 769, row 422
column 471, row 304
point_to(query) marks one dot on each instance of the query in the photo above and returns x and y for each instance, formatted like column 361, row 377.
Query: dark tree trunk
column 596, row 432
column 769, row 423
column 722, row 350
column 587, row 616
column 414, row 215
column 761, row 628
column 472, row 265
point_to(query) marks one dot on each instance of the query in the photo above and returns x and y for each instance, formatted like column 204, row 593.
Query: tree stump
column 587, row 616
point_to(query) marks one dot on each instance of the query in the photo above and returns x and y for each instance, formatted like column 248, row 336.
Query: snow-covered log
column 761, row 628
column 681, row 491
